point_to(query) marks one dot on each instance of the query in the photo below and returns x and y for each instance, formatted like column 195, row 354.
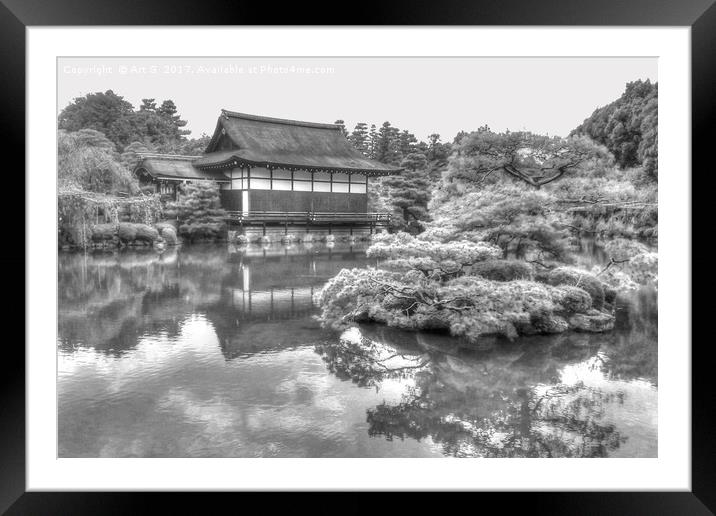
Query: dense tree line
column 628, row 127
column 158, row 127
column 391, row 145
column 101, row 134
column 519, row 190
column 405, row 195
column 525, row 191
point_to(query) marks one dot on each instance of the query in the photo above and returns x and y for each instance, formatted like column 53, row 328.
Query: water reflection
column 212, row 351
column 542, row 397
column 110, row 301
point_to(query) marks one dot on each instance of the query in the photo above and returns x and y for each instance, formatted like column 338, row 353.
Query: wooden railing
column 305, row 217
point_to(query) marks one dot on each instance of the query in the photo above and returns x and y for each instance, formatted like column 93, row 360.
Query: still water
column 212, row 351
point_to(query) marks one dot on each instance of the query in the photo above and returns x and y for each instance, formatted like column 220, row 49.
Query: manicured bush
column 405, row 246
column 165, row 224
column 468, row 306
column 127, row 232
column 101, row 232
column 146, row 234
column 131, row 233
column 169, row 234
column 573, row 299
column 502, row 270
column 578, row 278
column 199, row 213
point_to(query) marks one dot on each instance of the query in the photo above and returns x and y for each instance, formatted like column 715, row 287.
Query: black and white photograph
column 357, row 257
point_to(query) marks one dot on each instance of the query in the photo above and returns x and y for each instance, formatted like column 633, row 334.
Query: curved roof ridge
column 259, row 118
column 157, row 155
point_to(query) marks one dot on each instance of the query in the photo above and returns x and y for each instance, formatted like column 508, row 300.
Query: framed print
column 369, row 258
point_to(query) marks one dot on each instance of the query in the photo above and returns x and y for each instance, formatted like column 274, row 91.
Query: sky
column 423, row 95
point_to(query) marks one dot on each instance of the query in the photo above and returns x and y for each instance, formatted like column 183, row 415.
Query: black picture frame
column 16, row 15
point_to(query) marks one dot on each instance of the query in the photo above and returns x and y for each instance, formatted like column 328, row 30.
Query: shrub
column 578, row 278
column 165, row 224
column 573, row 299
column 502, row 270
column 468, row 307
column 130, row 233
column 146, row 234
column 198, row 211
column 169, row 234
column 127, row 232
column 435, row 260
column 102, row 232
column 405, row 246
column 641, row 269
column 517, row 219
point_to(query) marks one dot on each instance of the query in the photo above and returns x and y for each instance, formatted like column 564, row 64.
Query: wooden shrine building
column 277, row 173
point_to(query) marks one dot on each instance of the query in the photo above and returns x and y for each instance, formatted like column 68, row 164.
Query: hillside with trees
column 628, row 127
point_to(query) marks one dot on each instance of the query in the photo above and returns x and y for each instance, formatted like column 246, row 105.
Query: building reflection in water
column 108, row 301
column 267, row 300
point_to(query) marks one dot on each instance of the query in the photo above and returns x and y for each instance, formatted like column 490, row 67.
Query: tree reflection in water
column 510, row 400
column 570, row 395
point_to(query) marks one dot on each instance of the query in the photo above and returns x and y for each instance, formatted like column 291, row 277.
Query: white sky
column 423, row 95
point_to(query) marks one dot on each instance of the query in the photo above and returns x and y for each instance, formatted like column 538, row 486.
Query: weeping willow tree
column 79, row 210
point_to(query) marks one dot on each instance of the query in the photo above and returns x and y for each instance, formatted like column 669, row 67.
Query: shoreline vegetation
column 467, row 289
column 482, row 228
column 491, row 253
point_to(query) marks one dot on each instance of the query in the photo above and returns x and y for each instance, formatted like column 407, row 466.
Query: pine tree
column 408, row 142
column 414, row 161
column 389, row 144
column 199, row 212
column 373, row 142
column 409, row 194
column 395, row 152
column 148, row 105
column 383, row 141
column 342, row 125
column 130, row 156
column 359, row 138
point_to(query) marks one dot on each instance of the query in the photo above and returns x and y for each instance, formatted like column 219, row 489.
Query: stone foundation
column 274, row 234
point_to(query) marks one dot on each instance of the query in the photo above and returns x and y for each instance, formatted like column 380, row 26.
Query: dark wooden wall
column 231, row 199
column 278, row 200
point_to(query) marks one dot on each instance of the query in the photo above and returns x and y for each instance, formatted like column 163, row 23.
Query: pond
column 212, row 351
